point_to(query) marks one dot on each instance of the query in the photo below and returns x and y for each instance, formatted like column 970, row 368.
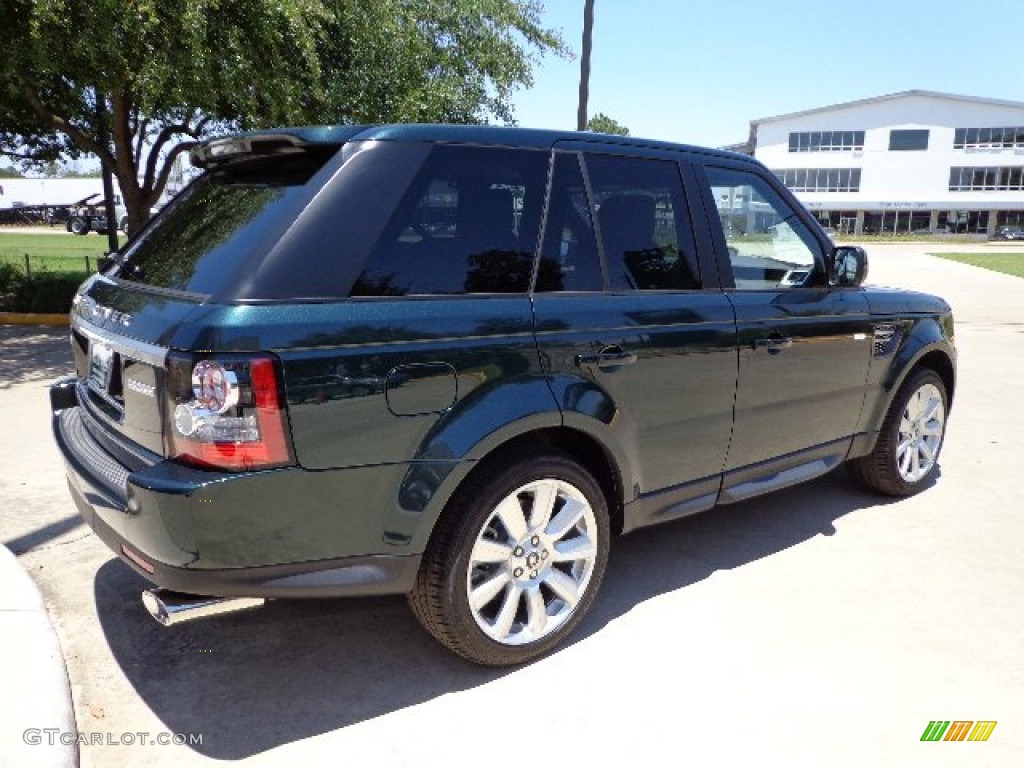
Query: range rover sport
column 453, row 362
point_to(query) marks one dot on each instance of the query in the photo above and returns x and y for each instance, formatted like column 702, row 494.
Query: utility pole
column 588, row 32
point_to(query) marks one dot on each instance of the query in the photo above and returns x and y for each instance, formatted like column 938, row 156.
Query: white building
column 916, row 160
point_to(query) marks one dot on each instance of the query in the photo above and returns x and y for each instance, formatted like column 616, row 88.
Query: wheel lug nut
column 533, row 574
column 518, row 552
column 535, row 540
column 544, row 555
column 517, row 572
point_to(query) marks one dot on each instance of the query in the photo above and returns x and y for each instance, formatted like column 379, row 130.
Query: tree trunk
column 137, row 205
column 137, row 199
column 588, row 31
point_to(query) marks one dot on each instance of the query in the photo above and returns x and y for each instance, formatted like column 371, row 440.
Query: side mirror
column 849, row 265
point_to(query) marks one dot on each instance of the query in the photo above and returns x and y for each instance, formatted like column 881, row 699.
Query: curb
column 37, row 694
column 32, row 318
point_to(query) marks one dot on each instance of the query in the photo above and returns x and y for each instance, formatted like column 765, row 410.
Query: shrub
column 42, row 292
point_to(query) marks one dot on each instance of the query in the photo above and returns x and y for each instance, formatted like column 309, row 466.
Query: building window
column 1010, row 219
column 844, row 222
column 961, row 222
column 895, row 222
column 986, row 179
column 826, row 141
column 820, row 179
column 989, row 138
column 908, row 140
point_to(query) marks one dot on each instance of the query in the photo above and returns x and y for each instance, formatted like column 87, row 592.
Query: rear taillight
column 226, row 413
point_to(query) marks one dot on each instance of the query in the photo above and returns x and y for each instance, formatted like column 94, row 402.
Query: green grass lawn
column 56, row 252
column 1007, row 263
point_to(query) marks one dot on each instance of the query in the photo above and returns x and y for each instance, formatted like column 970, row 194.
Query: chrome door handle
column 774, row 344
column 608, row 358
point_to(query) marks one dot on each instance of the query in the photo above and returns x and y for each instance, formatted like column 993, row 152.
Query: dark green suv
column 453, row 362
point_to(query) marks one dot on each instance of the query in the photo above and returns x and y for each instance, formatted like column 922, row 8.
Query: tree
column 588, row 34
column 10, row 173
column 156, row 77
column 601, row 123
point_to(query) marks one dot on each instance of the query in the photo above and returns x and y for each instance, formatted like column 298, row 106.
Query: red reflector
column 264, row 390
column 137, row 559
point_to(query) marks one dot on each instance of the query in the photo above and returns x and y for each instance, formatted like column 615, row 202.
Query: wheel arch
column 591, row 454
column 938, row 357
column 942, row 364
column 584, row 448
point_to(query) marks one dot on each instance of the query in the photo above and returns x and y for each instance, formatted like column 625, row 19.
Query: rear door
column 637, row 349
column 804, row 347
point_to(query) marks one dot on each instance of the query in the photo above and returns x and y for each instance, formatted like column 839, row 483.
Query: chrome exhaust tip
column 169, row 607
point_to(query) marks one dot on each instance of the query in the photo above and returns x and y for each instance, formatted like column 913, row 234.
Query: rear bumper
column 259, row 534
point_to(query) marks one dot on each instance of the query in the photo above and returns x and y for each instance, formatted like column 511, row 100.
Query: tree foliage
column 137, row 82
column 601, row 123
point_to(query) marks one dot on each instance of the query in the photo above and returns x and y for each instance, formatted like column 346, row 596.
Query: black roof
column 429, row 132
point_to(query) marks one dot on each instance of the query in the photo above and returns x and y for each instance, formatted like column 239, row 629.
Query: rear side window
column 468, row 223
column 569, row 259
column 220, row 226
column 642, row 220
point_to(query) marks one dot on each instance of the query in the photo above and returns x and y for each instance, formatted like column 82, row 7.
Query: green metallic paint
column 204, row 520
column 807, row 393
column 669, row 412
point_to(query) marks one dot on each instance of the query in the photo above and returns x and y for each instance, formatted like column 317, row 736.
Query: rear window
column 224, row 223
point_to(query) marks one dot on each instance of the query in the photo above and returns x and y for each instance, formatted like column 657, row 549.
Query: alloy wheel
column 532, row 562
column 920, row 433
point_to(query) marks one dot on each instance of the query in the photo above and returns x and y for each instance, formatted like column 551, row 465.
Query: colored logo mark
column 958, row 730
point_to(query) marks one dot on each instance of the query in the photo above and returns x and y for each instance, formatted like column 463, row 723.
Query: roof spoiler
column 222, row 151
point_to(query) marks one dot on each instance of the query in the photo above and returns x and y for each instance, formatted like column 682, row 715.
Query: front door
column 804, row 347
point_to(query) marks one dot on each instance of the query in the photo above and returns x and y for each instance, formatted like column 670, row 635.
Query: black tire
column 880, row 470
column 440, row 599
column 78, row 226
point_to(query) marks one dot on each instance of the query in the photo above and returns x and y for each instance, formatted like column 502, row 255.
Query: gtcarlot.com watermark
column 53, row 736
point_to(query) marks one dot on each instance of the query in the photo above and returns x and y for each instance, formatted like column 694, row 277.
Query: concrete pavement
column 35, row 693
column 818, row 626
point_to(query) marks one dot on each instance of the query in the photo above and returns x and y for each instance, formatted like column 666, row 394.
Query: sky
column 698, row 71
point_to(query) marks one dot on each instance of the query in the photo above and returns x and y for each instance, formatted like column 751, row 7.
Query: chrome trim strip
column 133, row 349
column 776, row 480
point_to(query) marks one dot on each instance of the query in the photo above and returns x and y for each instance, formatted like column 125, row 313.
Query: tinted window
column 221, row 225
column 569, row 259
column 769, row 247
column 641, row 217
column 468, row 223
column 904, row 140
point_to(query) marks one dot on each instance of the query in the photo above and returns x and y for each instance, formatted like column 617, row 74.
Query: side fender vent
column 887, row 338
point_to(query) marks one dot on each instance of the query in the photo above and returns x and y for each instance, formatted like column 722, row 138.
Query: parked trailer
column 44, row 201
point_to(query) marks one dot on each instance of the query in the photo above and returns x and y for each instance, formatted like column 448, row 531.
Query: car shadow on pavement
column 32, row 353
column 256, row 680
